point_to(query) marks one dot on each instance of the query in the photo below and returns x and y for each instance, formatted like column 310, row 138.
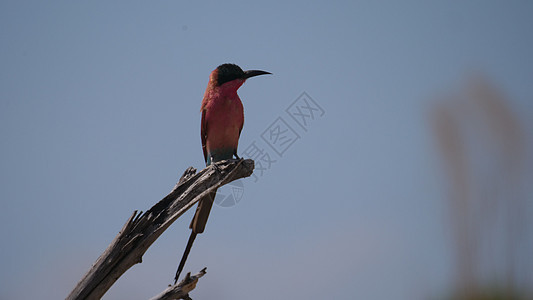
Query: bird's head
column 231, row 76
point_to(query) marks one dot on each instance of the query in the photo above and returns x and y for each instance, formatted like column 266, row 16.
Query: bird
column 221, row 126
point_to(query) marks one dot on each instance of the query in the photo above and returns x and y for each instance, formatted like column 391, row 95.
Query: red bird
column 222, row 121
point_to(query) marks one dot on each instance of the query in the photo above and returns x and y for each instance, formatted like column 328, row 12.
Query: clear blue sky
column 99, row 115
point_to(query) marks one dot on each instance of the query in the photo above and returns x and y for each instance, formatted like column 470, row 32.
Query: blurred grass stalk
column 482, row 144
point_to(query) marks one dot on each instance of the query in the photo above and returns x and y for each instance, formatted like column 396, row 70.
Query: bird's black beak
column 252, row 73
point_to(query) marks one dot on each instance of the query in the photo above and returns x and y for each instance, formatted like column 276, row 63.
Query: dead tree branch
column 141, row 230
column 182, row 289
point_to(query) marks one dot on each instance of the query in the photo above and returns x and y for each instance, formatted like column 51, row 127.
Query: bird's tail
column 185, row 255
column 197, row 225
column 202, row 213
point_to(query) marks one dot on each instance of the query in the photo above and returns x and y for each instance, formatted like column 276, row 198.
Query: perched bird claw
column 217, row 167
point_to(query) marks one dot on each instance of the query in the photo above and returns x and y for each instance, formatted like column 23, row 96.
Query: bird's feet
column 217, row 167
column 237, row 157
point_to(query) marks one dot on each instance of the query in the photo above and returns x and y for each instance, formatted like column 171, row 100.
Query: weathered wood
column 182, row 289
column 141, row 230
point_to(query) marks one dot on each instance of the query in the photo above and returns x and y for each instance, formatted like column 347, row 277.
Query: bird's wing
column 203, row 133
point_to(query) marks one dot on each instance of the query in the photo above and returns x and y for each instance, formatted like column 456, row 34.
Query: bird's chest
column 225, row 112
column 224, row 117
